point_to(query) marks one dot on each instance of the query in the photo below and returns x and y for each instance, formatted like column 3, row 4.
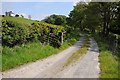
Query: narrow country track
column 52, row 67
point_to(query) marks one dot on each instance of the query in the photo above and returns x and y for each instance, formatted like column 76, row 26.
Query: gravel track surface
column 53, row 67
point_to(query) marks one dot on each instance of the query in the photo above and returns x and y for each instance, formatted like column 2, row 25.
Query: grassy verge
column 75, row 56
column 12, row 57
column 109, row 63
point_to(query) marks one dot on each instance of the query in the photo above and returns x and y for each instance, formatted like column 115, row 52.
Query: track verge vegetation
column 109, row 62
column 30, row 52
column 75, row 56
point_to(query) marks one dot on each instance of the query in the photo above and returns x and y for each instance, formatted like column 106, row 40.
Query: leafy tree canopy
column 56, row 19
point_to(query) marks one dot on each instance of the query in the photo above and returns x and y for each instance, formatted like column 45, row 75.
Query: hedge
column 16, row 33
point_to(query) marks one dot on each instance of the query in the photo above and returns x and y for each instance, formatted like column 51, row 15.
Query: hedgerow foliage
column 16, row 33
column 13, row 33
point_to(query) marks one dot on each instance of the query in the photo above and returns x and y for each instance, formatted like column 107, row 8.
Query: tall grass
column 75, row 56
column 19, row 55
column 109, row 63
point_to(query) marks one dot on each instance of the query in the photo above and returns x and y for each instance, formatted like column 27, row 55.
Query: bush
column 46, row 33
column 13, row 33
column 35, row 32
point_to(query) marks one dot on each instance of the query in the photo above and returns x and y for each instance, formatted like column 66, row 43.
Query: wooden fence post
column 62, row 38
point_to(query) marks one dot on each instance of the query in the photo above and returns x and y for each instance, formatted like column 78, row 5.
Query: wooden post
column 61, row 38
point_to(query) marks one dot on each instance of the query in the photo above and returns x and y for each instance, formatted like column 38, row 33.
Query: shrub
column 46, row 33
column 35, row 32
column 13, row 33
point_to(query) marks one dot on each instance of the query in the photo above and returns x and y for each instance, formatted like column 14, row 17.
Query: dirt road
column 52, row 67
column 86, row 67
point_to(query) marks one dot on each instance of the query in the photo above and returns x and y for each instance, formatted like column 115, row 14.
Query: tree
column 56, row 19
column 49, row 20
column 76, row 17
column 94, row 16
column 16, row 15
column 22, row 16
column 116, row 21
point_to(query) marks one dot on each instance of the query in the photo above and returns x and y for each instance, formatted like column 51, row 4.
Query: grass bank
column 18, row 55
column 109, row 63
column 18, row 19
column 75, row 56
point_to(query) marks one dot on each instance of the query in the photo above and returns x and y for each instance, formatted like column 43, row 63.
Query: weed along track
column 76, row 56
